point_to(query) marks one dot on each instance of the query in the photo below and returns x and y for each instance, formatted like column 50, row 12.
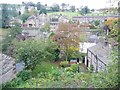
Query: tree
column 72, row 8
column 24, row 16
column 38, row 6
column 92, row 10
column 67, row 36
column 96, row 22
column 33, row 11
column 114, row 29
column 45, row 4
column 8, row 11
column 5, row 15
column 12, row 32
column 13, row 12
column 30, row 4
column 55, row 8
column 27, row 5
column 110, row 21
column 32, row 51
column 63, row 6
column 85, row 10
column 43, row 10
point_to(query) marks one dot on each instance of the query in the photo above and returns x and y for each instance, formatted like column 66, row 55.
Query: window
column 30, row 25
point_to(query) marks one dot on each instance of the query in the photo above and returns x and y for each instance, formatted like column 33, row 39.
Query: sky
column 92, row 4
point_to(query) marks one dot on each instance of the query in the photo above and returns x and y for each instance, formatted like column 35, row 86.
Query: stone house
column 36, row 21
column 83, row 19
column 98, row 56
column 55, row 19
column 15, row 20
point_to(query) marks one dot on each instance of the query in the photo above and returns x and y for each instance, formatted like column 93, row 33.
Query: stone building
column 15, row 20
column 55, row 19
column 91, row 18
column 36, row 21
column 98, row 56
column 7, row 68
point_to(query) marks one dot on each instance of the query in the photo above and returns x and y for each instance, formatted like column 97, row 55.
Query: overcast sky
column 96, row 4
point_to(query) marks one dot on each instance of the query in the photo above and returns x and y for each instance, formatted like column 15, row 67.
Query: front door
column 87, row 62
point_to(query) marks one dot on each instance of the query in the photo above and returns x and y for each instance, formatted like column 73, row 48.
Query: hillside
column 68, row 14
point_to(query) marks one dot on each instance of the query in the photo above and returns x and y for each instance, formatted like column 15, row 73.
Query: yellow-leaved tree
column 110, row 21
column 67, row 37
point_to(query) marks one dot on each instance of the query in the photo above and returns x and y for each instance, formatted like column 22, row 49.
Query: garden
column 47, row 62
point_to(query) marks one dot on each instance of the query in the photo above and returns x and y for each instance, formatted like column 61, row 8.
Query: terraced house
column 99, row 56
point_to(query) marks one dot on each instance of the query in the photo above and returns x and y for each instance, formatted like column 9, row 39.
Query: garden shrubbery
column 32, row 51
column 25, row 75
column 70, row 79
column 64, row 64
column 72, row 68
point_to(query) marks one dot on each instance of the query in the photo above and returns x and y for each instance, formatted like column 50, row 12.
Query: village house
column 15, row 20
column 55, row 19
column 99, row 55
column 36, row 21
column 91, row 18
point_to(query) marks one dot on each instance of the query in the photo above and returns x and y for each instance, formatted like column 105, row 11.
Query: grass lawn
column 96, row 14
column 50, row 67
column 68, row 14
column 45, row 67
column 71, row 14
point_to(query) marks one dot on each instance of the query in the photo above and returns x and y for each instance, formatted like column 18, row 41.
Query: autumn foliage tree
column 67, row 38
column 110, row 21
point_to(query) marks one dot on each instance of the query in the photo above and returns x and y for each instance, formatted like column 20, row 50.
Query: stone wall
column 7, row 68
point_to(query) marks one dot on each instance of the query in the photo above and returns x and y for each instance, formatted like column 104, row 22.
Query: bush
column 91, row 68
column 74, row 67
column 69, row 69
column 97, row 22
column 13, row 83
column 31, row 51
column 25, row 75
column 64, row 64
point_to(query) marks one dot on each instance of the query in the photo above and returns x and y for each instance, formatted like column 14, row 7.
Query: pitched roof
column 102, row 52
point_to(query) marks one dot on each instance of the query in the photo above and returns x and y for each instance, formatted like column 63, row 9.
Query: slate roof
column 93, row 39
column 102, row 52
